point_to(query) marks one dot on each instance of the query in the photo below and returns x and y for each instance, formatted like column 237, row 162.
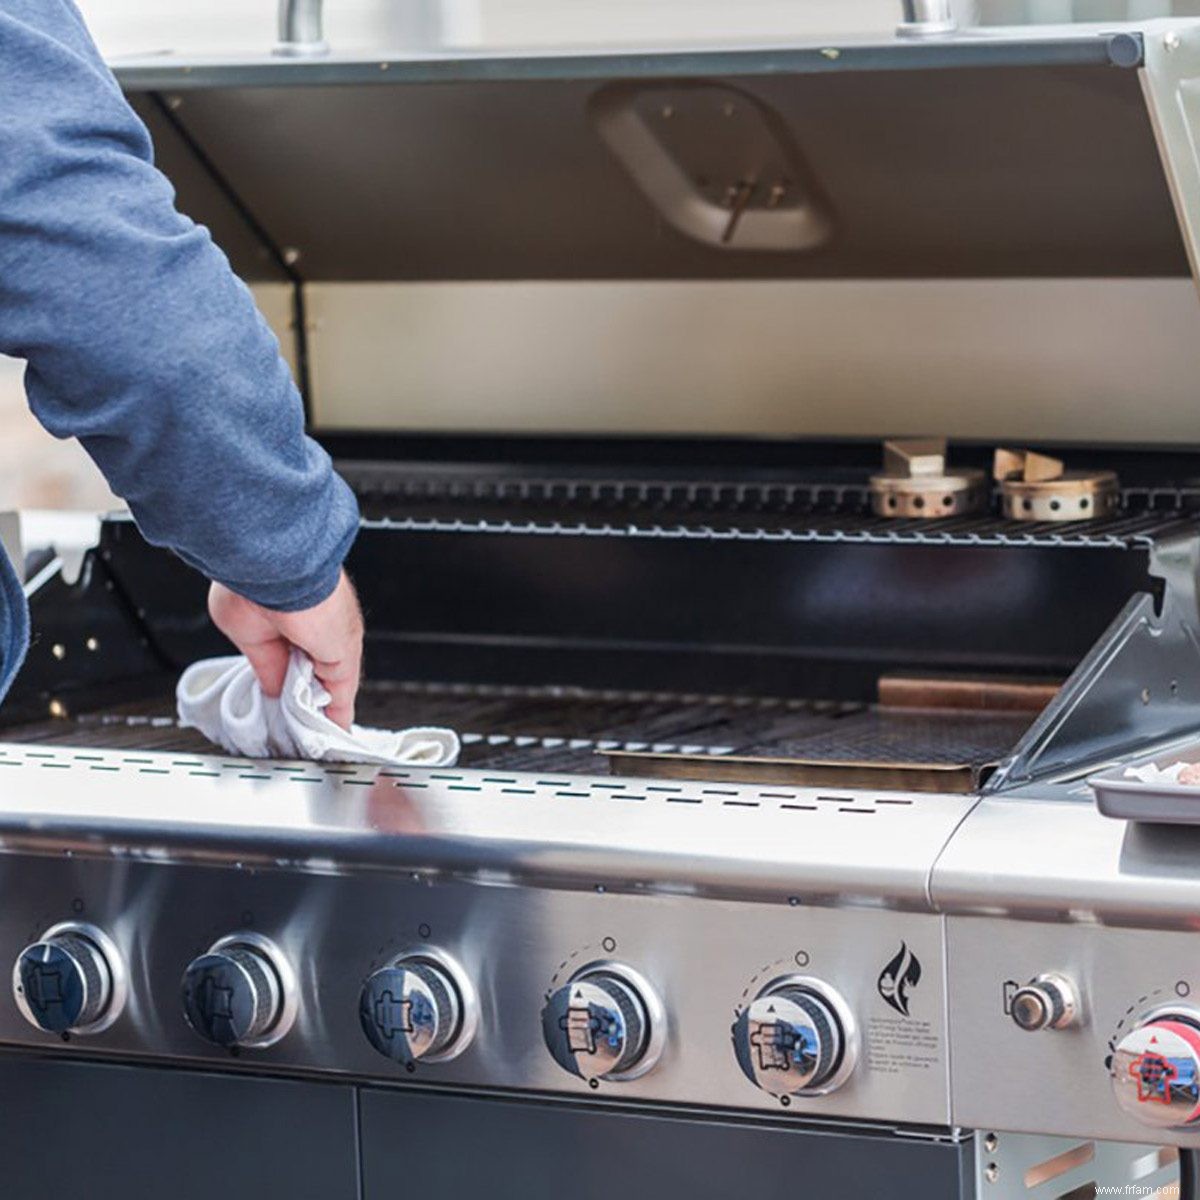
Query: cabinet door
column 453, row 1146
column 125, row 1133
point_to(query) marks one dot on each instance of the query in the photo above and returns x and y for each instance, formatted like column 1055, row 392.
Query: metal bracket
column 1025, row 1166
column 1139, row 685
column 715, row 163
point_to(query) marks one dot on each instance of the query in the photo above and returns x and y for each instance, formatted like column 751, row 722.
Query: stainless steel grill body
column 625, row 589
column 708, row 892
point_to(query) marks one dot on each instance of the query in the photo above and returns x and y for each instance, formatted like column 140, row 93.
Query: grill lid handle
column 301, row 26
column 927, row 18
column 301, row 29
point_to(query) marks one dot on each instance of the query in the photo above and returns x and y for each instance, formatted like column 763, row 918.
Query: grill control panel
column 653, row 998
column 1075, row 1030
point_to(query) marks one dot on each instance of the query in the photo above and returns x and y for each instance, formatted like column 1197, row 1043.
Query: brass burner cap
column 964, row 491
column 1035, row 487
column 916, row 483
column 1074, row 496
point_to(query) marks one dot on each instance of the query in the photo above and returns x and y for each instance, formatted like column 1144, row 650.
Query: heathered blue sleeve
column 139, row 339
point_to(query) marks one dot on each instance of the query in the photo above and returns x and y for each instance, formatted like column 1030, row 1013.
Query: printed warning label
column 895, row 1045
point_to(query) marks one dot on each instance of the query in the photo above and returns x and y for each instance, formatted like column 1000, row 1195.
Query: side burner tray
column 1127, row 799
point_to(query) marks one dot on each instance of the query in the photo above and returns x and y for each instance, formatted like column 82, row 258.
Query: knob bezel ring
column 289, row 993
column 656, row 1014
column 1070, row 1002
column 841, row 1010
column 1189, row 1014
column 468, row 997
column 118, row 977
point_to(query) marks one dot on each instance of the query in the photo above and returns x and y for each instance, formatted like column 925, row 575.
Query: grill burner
column 1035, row 487
column 916, row 483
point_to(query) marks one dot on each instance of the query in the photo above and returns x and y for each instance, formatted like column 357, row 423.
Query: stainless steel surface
column 301, row 29
column 1057, row 1083
column 704, row 957
column 681, row 333
column 724, row 358
column 927, row 18
column 1044, row 883
column 575, row 831
column 1169, row 80
column 1127, row 798
column 878, row 954
column 1078, row 868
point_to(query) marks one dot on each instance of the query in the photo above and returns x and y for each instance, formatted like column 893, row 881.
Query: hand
column 330, row 633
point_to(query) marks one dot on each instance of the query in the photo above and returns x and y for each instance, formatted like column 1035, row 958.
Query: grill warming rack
column 469, row 501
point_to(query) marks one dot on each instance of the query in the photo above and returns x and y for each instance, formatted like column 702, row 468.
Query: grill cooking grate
column 569, row 730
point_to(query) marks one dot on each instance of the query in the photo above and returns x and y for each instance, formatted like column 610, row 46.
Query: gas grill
column 771, row 855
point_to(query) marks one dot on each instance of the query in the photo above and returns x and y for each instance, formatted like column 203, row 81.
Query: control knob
column 1155, row 1070
column 795, row 1037
column 70, row 981
column 1047, row 1002
column 419, row 1007
column 605, row 1022
column 241, row 993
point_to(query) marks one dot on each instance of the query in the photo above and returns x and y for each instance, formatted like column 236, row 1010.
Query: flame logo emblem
column 899, row 978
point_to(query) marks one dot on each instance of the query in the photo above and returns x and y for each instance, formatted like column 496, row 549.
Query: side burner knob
column 605, row 1022
column 65, row 983
column 416, row 1008
column 1047, row 1002
column 1155, row 1070
column 239, row 993
column 795, row 1037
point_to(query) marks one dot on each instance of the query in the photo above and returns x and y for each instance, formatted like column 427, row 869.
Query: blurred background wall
column 36, row 471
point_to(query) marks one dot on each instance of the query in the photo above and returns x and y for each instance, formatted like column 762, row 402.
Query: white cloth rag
column 222, row 698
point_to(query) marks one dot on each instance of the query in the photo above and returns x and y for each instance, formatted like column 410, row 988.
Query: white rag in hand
column 222, row 698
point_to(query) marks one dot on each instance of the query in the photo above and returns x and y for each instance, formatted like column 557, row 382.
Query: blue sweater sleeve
column 139, row 339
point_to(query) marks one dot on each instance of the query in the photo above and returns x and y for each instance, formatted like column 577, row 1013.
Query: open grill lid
column 972, row 157
column 755, row 246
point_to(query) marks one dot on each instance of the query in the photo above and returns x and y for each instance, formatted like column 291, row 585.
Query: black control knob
column 64, row 983
column 233, row 995
column 411, row 1009
column 791, row 1039
column 604, row 1023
